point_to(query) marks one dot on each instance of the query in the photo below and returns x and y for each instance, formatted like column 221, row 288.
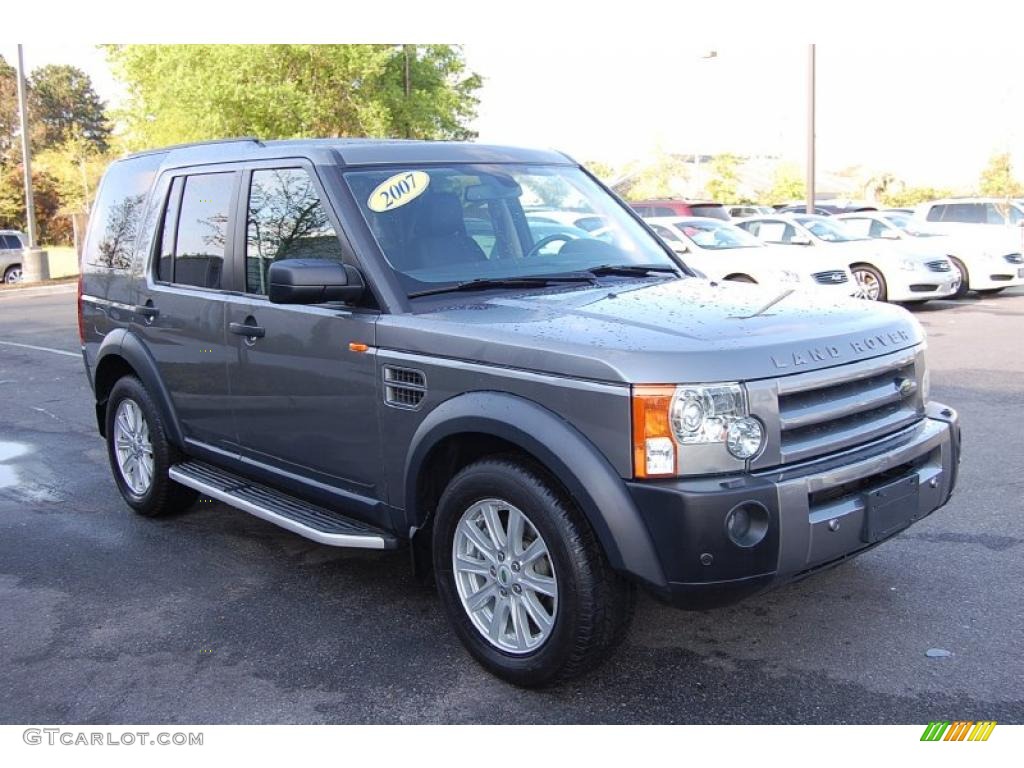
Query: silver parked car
column 12, row 243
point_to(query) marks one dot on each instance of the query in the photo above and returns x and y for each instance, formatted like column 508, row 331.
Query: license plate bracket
column 889, row 508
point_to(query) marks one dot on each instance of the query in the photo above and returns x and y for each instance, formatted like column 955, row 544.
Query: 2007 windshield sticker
column 398, row 190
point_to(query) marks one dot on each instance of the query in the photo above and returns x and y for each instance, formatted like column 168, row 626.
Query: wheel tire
column 990, row 291
column 741, row 279
column 12, row 274
column 163, row 495
column 865, row 273
column 965, row 279
column 594, row 603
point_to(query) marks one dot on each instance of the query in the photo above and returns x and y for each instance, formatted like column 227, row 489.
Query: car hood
column 652, row 330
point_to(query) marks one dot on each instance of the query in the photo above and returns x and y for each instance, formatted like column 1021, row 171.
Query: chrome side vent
column 404, row 387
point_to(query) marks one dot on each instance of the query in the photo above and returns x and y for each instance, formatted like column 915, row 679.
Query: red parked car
column 679, row 207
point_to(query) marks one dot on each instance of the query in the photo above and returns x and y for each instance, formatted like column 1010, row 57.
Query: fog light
column 747, row 524
column 745, row 437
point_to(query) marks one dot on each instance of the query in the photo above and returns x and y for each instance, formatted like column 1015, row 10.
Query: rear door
column 304, row 400
column 183, row 300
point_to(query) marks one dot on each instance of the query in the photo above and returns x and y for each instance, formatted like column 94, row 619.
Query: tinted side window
column 10, row 242
column 936, row 213
column 117, row 213
column 203, row 229
column 965, row 213
column 710, row 211
column 165, row 268
column 663, row 211
column 286, row 220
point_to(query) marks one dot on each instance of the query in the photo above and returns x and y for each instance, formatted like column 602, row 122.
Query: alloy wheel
column 868, row 286
column 133, row 447
column 505, row 576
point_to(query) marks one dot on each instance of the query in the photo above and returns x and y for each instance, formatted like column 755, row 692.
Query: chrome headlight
column 707, row 426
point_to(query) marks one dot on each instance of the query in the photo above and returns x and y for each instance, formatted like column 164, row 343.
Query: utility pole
column 810, row 128
column 26, row 154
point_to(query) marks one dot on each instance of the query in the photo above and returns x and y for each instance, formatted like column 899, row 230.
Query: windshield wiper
column 631, row 269
column 486, row 283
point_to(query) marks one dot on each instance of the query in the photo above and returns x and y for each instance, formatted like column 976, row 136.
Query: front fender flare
column 591, row 481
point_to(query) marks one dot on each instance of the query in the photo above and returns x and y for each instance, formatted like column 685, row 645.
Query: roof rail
column 186, row 145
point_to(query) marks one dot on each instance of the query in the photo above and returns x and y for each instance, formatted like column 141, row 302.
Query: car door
column 183, row 300
column 302, row 377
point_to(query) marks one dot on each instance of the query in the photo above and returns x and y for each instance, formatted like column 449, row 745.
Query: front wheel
column 870, row 282
column 965, row 278
column 522, row 577
column 13, row 274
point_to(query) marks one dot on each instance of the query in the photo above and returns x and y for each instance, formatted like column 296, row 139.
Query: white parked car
column 743, row 211
column 723, row 251
column 884, row 271
column 935, row 248
column 989, row 234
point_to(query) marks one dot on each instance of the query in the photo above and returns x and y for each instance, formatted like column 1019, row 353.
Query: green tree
column 664, row 177
column 997, row 178
column 910, row 196
column 76, row 166
column 724, row 184
column 602, row 170
column 62, row 105
column 179, row 93
column 787, row 185
column 8, row 109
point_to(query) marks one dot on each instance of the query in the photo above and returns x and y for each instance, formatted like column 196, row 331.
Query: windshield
column 827, row 230
column 904, row 222
column 716, row 236
column 442, row 226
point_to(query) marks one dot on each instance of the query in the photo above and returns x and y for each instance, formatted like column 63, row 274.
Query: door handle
column 146, row 311
column 249, row 331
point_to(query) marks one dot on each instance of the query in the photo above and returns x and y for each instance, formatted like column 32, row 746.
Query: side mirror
column 800, row 240
column 313, row 281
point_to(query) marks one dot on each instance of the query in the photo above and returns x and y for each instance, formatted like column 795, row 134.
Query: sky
column 929, row 111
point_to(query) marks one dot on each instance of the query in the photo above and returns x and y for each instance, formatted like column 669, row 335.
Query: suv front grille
column 830, row 278
column 837, row 408
column 404, row 387
column 1014, row 258
column 940, row 265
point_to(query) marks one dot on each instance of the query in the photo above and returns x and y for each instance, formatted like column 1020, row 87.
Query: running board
column 317, row 523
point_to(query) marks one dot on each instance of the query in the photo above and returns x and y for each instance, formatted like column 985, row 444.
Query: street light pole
column 810, row 128
column 26, row 154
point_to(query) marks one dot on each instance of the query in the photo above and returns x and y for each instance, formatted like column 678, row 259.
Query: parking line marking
column 41, row 349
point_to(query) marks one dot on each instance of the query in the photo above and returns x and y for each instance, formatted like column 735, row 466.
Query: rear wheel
column 965, row 281
column 870, row 282
column 13, row 274
column 522, row 577
column 140, row 454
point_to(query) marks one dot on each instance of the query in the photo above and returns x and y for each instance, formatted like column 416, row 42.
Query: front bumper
column 922, row 285
column 995, row 274
column 816, row 512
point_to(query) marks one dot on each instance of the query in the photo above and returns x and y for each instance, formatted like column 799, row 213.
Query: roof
column 354, row 152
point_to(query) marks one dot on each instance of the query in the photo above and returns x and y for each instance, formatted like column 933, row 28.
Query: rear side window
column 117, row 215
column 710, row 211
column 202, row 230
column 961, row 213
column 286, row 220
column 10, row 242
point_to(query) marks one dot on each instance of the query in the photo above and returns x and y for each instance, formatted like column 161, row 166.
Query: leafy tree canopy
column 997, row 178
column 180, row 93
column 63, row 105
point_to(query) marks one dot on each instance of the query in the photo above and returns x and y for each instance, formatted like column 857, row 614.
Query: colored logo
column 959, row 730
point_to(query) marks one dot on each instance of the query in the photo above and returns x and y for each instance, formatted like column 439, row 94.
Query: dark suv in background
column 376, row 344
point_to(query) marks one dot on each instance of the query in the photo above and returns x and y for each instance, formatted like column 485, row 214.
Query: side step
column 317, row 523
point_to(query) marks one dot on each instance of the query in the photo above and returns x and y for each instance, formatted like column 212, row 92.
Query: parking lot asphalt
column 213, row 616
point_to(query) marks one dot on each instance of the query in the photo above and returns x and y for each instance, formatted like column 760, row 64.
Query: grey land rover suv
column 388, row 344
